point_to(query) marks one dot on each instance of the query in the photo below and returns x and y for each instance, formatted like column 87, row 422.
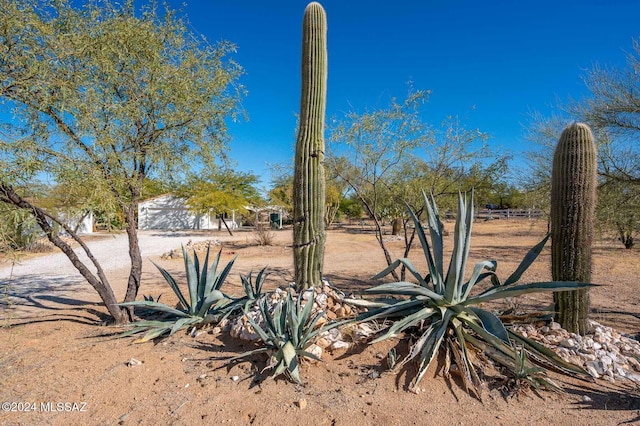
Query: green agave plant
column 441, row 305
column 289, row 329
column 206, row 303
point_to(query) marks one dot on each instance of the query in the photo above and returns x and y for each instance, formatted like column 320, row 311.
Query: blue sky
column 491, row 62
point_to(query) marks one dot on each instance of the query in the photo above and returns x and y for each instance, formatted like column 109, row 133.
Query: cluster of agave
column 289, row 329
column 439, row 307
column 445, row 314
column 206, row 303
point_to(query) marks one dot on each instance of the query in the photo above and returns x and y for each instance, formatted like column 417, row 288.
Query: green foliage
column 351, row 207
column 441, row 307
column 206, row 302
column 17, row 229
column 289, row 329
column 110, row 95
column 281, row 192
column 309, row 195
column 611, row 109
column 387, row 155
column 573, row 204
column 222, row 191
column 104, row 95
column 618, row 210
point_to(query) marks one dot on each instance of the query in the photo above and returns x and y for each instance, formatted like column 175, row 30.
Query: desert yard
column 55, row 346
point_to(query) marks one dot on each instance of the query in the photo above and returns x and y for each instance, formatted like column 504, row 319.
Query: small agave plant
column 447, row 315
column 289, row 330
column 206, row 302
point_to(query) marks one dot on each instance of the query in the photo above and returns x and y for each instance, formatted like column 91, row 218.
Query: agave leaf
column 460, row 250
column 161, row 307
column 149, row 324
column 249, row 353
column 196, row 264
column 264, row 336
column 537, row 287
column 152, row 334
column 308, row 355
column 431, row 347
column 262, row 276
column 505, row 356
column 271, row 320
column 192, row 280
column 292, row 325
column 182, row 323
column 308, row 331
column 174, row 285
column 288, row 353
column 311, row 332
column 212, row 275
column 477, row 277
column 527, row 261
column 435, row 231
column 202, row 279
column 213, row 297
column 436, row 275
column 141, row 326
column 406, row 322
column 303, row 318
column 402, row 308
column 491, row 323
column 462, row 359
column 517, row 362
column 219, row 280
column 409, row 266
column 246, row 284
column 386, row 271
column 364, row 303
column 404, row 288
column 547, row 354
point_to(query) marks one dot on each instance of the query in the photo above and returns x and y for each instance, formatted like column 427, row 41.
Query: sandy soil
column 55, row 348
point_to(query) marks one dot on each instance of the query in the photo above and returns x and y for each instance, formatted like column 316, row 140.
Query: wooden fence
column 487, row 214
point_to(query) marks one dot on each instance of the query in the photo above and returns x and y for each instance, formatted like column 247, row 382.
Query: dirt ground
column 60, row 352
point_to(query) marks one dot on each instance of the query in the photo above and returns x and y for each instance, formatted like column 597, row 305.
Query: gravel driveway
column 52, row 278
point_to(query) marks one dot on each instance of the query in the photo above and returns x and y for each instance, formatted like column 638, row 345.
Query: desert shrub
column 263, row 235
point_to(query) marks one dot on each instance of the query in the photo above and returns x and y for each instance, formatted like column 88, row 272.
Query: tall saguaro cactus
column 573, row 202
column 309, row 181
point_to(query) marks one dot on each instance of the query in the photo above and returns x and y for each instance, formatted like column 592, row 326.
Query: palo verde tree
column 388, row 155
column 104, row 96
column 222, row 192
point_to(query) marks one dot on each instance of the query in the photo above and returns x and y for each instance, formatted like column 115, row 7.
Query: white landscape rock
column 604, row 354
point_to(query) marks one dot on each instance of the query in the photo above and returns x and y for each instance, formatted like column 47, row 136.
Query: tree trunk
column 227, row 226
column 396, row 226
column 380, row 239
column 135, row 275
column 100, row 283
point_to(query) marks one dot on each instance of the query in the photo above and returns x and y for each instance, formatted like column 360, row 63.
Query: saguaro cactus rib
column 573, row 202
column 309, row 181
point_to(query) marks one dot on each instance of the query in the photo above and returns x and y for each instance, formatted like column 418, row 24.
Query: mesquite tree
column 309, row 180
column 103, row 97
column 573, row 202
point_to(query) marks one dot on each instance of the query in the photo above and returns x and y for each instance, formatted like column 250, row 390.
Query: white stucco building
column 168, row 211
